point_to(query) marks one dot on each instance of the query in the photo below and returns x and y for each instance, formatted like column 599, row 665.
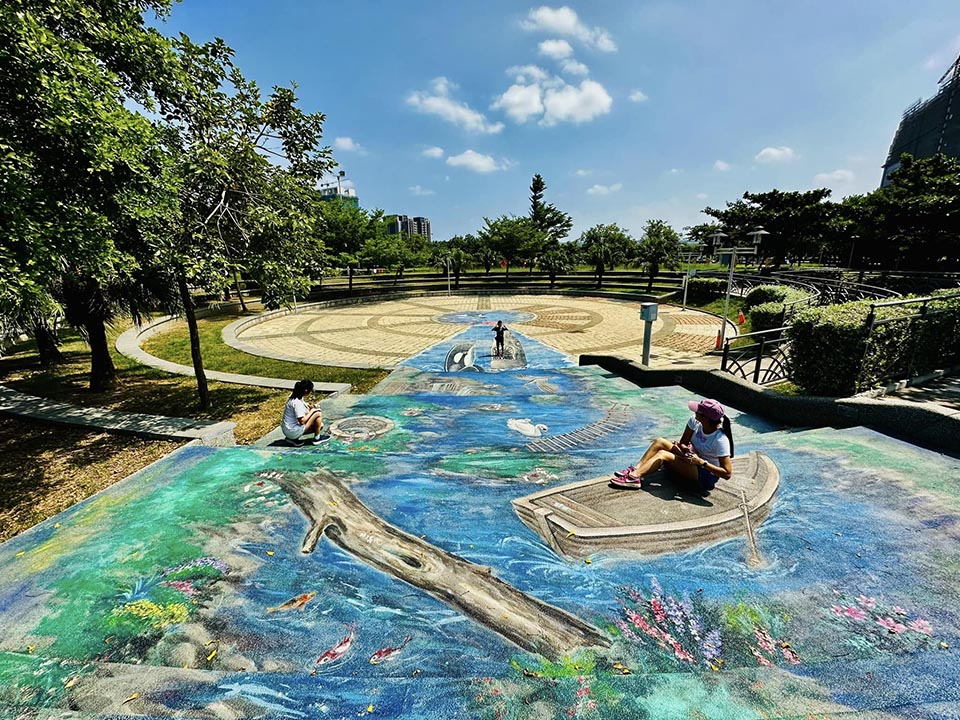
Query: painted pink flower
column 659, row 614
column 591, row 705
column 836, row 610
column 760, row 658
column 854, row 613
column 763, row 638
column 867, row 602
column 891, row 625
column 789, row 654
column 921, row 626
column 897, row 610
column 583, row 692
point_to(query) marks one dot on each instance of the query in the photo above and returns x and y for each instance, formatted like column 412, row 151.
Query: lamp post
column 853, row 245
column 756, row 235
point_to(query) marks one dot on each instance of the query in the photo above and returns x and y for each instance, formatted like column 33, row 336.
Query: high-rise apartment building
column 408, row 226
column 929, row 126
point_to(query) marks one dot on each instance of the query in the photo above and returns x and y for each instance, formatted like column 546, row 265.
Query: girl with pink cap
column 701, row 457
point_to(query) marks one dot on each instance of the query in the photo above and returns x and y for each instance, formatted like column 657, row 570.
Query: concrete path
column 384, row 334
column 944, row 392
column 140, row 424
column 128, row 344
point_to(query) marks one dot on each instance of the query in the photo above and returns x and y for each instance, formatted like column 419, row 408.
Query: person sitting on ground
column 299, row 418
column 499, row 329
column 699, row 459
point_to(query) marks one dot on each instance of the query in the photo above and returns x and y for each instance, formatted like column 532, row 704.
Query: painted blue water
column 451, row 471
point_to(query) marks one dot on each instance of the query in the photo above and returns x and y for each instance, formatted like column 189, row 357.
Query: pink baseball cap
column 710, row 409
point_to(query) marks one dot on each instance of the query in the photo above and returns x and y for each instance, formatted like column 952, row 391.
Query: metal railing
column 763, row 361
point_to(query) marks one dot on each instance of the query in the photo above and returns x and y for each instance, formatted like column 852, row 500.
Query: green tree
column 659, row 247
column 553, row 223
column 799, row 223
column 246, row 167
column 604, row 245
column 82, row 172
column 555, row 262
column 918, row 214
column 510, row 238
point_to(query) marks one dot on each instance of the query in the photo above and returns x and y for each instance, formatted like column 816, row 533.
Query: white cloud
column 638, row 96
column 564, row 21
column 433, row 152
column 346, row 144
column 722, row 166
column 941, row 59
column 675, row 171
column 604, row 189
column 701, row 196
column 438, row 102
column 574, row 68
column 472, row 160
column 837, row 177
column 582, row 172
column 556, row 49
column 775, row 155
column 419, row 191
column 528, row 74
column 520, row 102
column 575, row 104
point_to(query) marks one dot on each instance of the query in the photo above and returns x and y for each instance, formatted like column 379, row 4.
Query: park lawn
column 174, row 345
column 141, row 389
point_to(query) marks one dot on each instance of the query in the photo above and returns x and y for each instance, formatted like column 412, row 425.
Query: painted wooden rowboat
column 587, row 517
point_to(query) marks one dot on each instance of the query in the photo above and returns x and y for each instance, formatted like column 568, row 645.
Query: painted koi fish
column 383, row 653
column 338, row 650
column 294, row 603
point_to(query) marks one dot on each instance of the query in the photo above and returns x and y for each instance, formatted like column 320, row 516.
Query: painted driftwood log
column 472, row 589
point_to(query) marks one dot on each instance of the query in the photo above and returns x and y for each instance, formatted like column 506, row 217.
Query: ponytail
column 728, row 433
column 300, row 389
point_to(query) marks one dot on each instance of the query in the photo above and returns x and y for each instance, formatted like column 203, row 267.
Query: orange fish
column 294, row 603
column 383, row 653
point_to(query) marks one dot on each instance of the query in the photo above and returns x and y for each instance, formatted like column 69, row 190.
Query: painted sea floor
column 183, row 592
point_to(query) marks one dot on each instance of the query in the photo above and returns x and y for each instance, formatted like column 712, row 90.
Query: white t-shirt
column 710, row 447
column 294, row 410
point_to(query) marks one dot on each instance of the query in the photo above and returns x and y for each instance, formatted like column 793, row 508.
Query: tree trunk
column 507, row 279
column 471, row 589
column 189, row 312
column 553, row 279
column 103, row 375
column 456, row 278
column 599, row 275
column 236, row 284
column 46, row 340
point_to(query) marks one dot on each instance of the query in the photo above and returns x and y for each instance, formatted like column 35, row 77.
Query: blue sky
column 631, row 110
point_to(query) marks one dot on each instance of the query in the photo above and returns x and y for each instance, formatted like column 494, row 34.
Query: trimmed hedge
column 832, row 355
column 765, row 303
column 703, row 288
column 766, row 316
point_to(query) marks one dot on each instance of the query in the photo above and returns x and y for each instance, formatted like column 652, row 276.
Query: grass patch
column 141, row 389
column 174, row 345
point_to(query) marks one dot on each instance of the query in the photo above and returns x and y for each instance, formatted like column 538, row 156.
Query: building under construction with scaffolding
column 929, row 126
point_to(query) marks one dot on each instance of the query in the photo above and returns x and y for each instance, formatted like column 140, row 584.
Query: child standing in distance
column 499, row 329
column 299, row 418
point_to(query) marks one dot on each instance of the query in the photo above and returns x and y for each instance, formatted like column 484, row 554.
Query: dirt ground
column 45, row 469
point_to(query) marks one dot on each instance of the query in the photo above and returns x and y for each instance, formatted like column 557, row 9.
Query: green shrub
column 827, row 346
column 766, row 316
column 763, row 294
column 703, row 288
column 831, row 354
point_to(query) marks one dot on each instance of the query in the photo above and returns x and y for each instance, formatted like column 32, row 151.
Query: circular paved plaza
column 384, row 334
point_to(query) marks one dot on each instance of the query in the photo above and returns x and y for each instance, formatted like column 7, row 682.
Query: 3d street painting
column 386, row 575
